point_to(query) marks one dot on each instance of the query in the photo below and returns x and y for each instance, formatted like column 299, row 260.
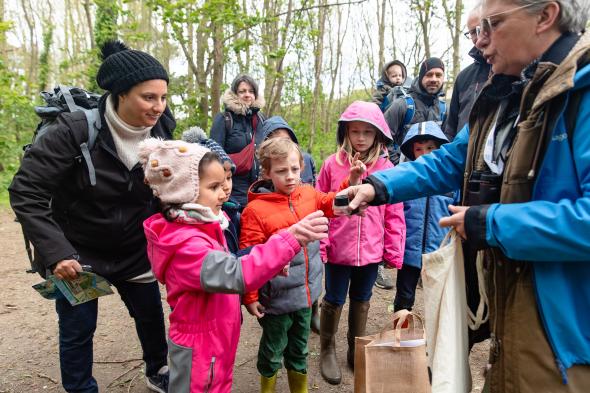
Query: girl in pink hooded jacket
column 356, row 244
column 188, row 253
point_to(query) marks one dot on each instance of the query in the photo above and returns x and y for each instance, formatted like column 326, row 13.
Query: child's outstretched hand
column 284, row 272
column 356, row 170
column 312, row 227
column 255, row 309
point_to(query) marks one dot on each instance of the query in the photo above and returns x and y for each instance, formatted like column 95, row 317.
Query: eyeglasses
column 488, row 25
column 471, row 33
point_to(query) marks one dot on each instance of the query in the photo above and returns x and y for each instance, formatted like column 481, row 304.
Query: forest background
column 311, row 57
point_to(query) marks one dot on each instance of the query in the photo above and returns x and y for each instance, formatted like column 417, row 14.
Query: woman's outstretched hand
column 359, row 197
column 312, row 227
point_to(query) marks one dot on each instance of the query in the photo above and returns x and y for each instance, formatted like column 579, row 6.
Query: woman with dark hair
column 72, row 221
column 239, row 130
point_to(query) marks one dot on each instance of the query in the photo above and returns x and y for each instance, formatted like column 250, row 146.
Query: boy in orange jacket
column 283, row 305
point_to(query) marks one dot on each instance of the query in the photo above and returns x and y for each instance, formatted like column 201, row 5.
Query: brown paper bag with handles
column 393, row 361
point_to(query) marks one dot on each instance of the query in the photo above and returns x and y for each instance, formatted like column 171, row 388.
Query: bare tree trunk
column 248, row 55
column 217, row 78
column 319, row 54
column 190, row 76
column 393, row 43
column 34, row 50
column 200, row 71
column 270, row 38
column 166, row 50
column 381, row 27
column 2, row 35
column 335, row 63
column 423, row 10
column 456, row 38
column 88, row 13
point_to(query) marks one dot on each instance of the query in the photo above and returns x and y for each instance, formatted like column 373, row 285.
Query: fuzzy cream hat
column 171, row 169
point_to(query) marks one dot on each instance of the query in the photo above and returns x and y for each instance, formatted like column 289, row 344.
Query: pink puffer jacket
column 356, row 240
column 202, row 283
column 381, row 234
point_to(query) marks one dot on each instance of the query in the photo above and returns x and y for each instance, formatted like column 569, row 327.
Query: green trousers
column 284, row 336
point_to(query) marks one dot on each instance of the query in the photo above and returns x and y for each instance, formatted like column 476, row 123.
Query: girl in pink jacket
column 188, row 253
column 356, row 244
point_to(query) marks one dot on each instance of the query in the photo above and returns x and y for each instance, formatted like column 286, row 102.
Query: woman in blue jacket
column 524, row 164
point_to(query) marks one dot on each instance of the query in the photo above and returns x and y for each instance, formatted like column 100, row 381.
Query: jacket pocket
column 210, row 375
column 180, row 365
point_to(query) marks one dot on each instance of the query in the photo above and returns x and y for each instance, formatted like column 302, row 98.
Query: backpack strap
column 442, row 106
column 93, row 121
column 67, row 94
column 411, row 109
column 228, row 121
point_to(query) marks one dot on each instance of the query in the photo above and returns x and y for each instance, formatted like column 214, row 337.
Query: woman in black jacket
column 72, row 222
column 235, row 129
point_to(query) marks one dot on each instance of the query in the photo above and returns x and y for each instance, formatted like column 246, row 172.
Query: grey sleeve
column 394, row 116
column 222, row 273
column 377, row 97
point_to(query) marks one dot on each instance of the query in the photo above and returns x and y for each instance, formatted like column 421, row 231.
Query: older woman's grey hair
column 573, row 14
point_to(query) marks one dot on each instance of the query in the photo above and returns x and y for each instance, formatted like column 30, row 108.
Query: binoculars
column 483, row 188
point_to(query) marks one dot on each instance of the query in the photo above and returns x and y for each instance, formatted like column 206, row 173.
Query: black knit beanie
column 428, row 64
column 122, row 68
column 244, row 78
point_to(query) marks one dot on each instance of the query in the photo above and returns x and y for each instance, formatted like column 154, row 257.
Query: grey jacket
column 283, row 295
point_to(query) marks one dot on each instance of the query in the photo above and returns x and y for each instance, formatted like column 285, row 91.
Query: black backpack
column 70, row 99
column 61, row 100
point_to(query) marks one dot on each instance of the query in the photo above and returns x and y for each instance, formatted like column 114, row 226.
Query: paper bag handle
column 401, row 317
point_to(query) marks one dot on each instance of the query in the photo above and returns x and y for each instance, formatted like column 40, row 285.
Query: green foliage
column 44, row 64
column 17, row 123
column 105, row 29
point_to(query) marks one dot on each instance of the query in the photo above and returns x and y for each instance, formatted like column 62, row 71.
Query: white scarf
column 193, row 213
column 125, row 136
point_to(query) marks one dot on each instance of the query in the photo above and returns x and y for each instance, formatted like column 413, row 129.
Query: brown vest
column 520, row 356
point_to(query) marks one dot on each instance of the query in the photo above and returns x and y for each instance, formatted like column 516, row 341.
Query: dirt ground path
column 28, row 336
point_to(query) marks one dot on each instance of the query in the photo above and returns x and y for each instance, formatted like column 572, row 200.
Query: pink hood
column 362, row 111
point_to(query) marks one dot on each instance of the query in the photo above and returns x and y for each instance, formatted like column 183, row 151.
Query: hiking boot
column 357, row 324
column 158, row 382
column 315, row 318
column 330, row 316
column 383, row 280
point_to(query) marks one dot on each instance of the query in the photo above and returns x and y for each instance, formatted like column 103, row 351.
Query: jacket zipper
column 425, row 224
column 358, row 242
column 210, row 375
column 305, row 258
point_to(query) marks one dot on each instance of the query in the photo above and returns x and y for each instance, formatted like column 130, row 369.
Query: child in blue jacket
column 423, row 234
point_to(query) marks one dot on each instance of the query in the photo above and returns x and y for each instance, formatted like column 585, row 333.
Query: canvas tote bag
column 446, row 315
column 393, row 361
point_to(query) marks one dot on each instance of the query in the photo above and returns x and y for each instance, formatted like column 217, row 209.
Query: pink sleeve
column 395, row 235
column 198, row 265
column 266, row 260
